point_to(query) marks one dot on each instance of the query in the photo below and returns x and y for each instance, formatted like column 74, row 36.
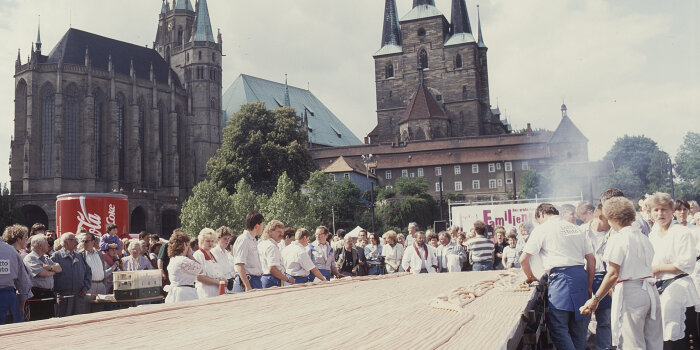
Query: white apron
column 617, row 306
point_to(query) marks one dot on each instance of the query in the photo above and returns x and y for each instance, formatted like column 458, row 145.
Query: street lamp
column 670, row 174
column 367, row 159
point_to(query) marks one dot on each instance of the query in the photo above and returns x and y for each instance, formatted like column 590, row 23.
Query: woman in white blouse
column 682, row 209
column 674, row 259
column 208, row 281
column 635, row 313
column 182, row 269
column 392, row 252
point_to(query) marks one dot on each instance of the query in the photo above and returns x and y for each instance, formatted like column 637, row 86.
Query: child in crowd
column 511, row 255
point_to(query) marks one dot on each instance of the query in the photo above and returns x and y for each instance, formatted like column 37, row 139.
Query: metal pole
column 333, row 214
column 371, row 193
column 441, row 199
column 670, row 173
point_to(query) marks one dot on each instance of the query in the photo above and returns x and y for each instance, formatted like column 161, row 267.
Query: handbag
column 663, row 284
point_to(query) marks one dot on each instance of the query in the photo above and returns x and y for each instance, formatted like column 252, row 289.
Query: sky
column 626, row 67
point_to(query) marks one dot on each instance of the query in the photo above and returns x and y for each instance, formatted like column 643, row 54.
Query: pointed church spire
column 481, row 38
column 391, row 35
column 163, row 8
column 38, row 37
column 202, row 23
column 417, row 3
column 182, row 5
column 563, row 111
column 460, row 18
column 287, row 101
column 19, row 60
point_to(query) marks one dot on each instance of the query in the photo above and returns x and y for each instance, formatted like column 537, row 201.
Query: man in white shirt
column 411, row 237
column 450, row 255
column 420, row 257
column 297, row 261
column 322, row 254
column 245, row 254
column 100, row 270
column 222, row 255
column 564, row 248
column 270, row 257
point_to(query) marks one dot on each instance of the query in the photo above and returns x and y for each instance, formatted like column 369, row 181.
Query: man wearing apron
column 597, row 231
column 322, row 254
column 563, row 248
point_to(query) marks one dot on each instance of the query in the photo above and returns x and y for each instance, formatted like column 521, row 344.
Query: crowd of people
column 584, row 251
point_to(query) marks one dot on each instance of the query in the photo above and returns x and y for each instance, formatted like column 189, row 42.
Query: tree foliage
column 688, row 158
column 406, row 186
column 530, row 184
column 413, row 204
column 634, row 153
column 290, row 206
column 258, row 146
column 243, row 202
column 626, row 180
column 330, row 198
column 208, row 206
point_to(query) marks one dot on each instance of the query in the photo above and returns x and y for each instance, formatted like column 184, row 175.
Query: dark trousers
column 690, row 341
column 42, row 310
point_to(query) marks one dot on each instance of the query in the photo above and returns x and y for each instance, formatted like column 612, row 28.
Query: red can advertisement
column 93, row 211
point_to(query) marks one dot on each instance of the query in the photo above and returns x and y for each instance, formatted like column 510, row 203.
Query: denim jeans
column 566, row 332
column 482, row 266
column 255, row 283
column 603, row 333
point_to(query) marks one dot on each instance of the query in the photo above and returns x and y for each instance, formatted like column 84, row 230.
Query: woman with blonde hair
column 674, row 259
column 392, row 252
column 635, row 313
column 207, row 284
column 182, row 269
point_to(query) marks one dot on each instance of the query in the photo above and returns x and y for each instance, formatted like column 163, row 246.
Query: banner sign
column 92, row 211
column 506, row 215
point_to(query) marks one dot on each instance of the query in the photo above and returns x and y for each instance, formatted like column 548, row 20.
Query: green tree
column 290, row 206
column 530, row 184
column 634, row 153
column 406, row 186
column 414, row 203
column 626, row 180
column 328, row 196
column 659, row 176
column 243, row 202
column 688, row 158
column 208, row 206
column 258, row 146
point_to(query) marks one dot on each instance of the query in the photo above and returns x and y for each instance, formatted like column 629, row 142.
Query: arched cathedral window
column 47, row 130
column 72, row 133
column 423, row 59
column 142, row 140
column 389, row 70
column 120, row 135
column 458, row 61
column 97, row 124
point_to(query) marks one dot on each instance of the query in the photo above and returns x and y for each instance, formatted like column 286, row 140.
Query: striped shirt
column 480, row 248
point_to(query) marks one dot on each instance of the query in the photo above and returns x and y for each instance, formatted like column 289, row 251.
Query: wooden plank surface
column 387, row 313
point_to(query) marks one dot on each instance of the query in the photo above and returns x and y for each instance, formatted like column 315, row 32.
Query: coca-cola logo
column 91, row 221
column 111, row 214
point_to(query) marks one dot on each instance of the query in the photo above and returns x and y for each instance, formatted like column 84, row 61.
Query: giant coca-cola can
column 93, row 211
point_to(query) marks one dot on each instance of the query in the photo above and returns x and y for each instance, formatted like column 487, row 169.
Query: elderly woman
column 373, row 253
column 401, row 239
column 208, row 280
column 347, row 259
column 674, row 259
column 392, row 252
column 636, row 317
column 183, row 269
column 136, row 260
column 681, row 210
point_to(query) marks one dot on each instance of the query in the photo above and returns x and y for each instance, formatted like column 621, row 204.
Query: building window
column 423, row 59
column 121, row 118
column 420, row 172
column 458, row 185
column 437, row 187
column 438, row 171
column 373, row 171
column 47, row 130
column 72, row 133
column 387, row 175
column 509, row 181
column 333, row 177
column 421, row 31
column 498, row 166
column 526, row 166
column 404, row 172
column 199, row 54
column 500, row 182
column 413, row 174
column 389, row 70
column 458, row 61
column 464, row 92
column 142, row 140
column 346, row 175
column 475, row 185
column 213, row 57
column 508, row 166
column 492, row 168
column 475, row 168
column 492, row 183
column 458, row 169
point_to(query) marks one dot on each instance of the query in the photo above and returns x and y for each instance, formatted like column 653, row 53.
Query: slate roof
column 72, row 48
column 391, row 33
column 460, row 17
column 202, row 23
column 567, row 132
column 324, row 127
column 388, row 50
column 183, row 5
column 460, row 38
column 421, row 11
column 423, row 105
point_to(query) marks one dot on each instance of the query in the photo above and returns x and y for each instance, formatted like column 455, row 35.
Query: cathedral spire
column 38, row 37
column 202, row 23
column 391, row 35
column 417, row 3
column 563, row 111
column 19, row 60
column 287, row 101
column 164, row 8
column 182, row 5
column 460, row 18
column 481, row 38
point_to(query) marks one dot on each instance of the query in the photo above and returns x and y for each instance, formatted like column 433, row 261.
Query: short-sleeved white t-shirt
column 632, row 250
column 559, row 243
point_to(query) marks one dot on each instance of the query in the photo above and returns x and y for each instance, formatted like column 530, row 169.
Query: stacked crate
column 131, row 285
